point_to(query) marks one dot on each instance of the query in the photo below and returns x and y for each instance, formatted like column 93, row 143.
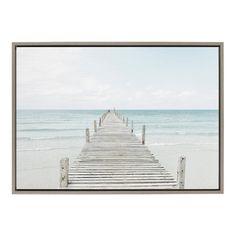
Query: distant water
column 51, row 133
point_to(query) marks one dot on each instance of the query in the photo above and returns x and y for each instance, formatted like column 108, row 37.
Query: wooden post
column 95, row 126
column 127, row 121
column 181, row 172
column 64, row 169
column 100, row 122
column 123, row 119
column 132, row 126
column 87, row 135
column 143, row 135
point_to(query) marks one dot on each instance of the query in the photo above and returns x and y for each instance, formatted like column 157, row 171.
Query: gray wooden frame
column 220, row 46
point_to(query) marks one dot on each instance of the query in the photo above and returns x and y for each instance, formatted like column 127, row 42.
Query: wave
column 50, row 138
column 180, row 133
column 175, row 144
column 137, row 134
column 45, row 149
column 184, row 133
column 51, row 129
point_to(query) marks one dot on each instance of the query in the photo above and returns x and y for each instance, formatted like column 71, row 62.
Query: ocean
column 46, row 136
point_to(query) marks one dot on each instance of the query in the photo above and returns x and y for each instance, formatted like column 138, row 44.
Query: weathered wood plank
column 122, row 185
column 118, row 171
column 127, row 175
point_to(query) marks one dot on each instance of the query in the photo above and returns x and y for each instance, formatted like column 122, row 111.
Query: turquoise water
column 46, row 134
column 54, row 125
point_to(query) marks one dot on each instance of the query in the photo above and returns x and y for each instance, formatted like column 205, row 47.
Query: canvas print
column 123, row 117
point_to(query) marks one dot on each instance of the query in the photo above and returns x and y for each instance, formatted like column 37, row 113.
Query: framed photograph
column 117, row 117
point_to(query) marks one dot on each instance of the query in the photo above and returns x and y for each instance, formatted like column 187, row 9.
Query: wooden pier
column 113, row 158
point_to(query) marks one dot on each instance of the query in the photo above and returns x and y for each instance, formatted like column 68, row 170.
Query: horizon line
column 117, row 109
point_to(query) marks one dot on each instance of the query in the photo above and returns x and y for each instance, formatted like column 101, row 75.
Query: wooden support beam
column 95, row 125
column 64, row 169
column 104, row 115
column 100, row 122
column 123, row 119
column 87, row 135
column 181, row 172
column 132, row 126
column 127, row 121
column 143, row 135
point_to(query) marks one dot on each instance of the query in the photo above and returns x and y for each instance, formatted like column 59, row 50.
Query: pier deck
column 114, row 158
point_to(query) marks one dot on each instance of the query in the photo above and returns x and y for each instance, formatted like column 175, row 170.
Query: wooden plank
column 104, row 185
column 103, row 167
column 130, row 165
column 122, row 179
column 117, row 171
column 127, row 175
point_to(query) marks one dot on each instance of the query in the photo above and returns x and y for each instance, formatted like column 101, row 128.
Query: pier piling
column 87, row 135
column 64, row 169
column 143, row 134
column 95, row 125
column 181, row 172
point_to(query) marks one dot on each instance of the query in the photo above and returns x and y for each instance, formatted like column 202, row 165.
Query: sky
column 117, row 77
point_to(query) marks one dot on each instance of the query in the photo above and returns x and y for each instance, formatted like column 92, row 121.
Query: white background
column 180, row 20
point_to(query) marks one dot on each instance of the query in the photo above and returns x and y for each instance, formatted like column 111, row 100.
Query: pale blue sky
column 121, row 77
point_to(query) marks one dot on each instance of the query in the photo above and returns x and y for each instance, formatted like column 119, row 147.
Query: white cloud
column 187, row 93
column 161, row 93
